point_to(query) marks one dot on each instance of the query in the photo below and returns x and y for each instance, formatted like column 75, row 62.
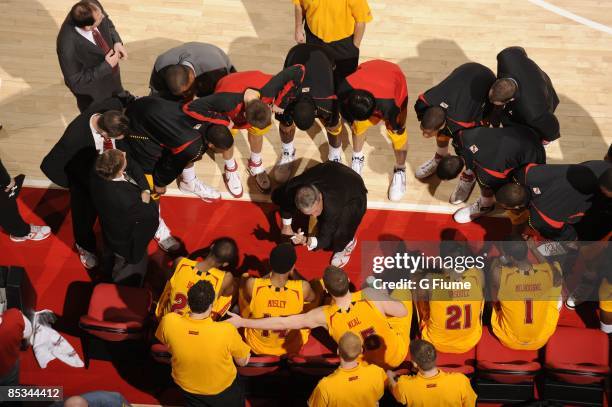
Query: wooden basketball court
column 571, row 40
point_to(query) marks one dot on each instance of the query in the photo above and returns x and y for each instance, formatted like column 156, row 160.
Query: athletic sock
column 288, row 147
column 255, row 157
column 189, row 174
column 335, row 151
column 358, row 154
column 230, row 164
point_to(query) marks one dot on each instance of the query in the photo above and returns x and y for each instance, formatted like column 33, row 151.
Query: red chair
column 315, row 359
column 117, row 313
column 457, row 362
column 161, row 353
column 578, row 356
column 260, row 365
column 503, row 365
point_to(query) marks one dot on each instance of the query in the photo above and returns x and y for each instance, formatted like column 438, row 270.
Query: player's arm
column 309, row 294
column 495, row 278
column 394, row 388
column 420, row 106
column 246, row 286
column 312, row 319
column 422, row 303
column 284, row 86
column 384, row 303
column 207, row 109
column 227, row 286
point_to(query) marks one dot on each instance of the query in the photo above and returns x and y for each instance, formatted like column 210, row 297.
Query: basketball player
column 223, row 253
column 457, row 103
column 605, row 298
column 355, row 383
column 242, row 101
column 491, row 155
column 316, row 99
column 525, row 93
column 376, row 92
column 528, row 296
column 277, row 295
column 552, row 198
column 430, row 387
column 452, row 319
column 352, row 312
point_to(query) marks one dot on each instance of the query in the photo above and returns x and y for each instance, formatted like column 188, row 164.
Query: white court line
column 567, row 14
column 385, row 205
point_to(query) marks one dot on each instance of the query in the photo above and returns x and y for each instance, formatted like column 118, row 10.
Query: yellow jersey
column 270, row 301
column 360, row 386
column 455, row 316
column 203, row 352
column 186, row 274
column 527, row 311
column 402, row 325
column 333, row 20
column 383, row 346
column 442, row 390
column 605, row 295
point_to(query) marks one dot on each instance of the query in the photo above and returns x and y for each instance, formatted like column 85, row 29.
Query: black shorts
column 345, row 53
column 233, row 396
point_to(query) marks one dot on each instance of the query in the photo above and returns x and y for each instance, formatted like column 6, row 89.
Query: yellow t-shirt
column 361, row 386
column 455, row 323
column 202, row 352
column 186, row 274
column 383, row 346
column 605, row 296
column 442, row 390
column 528, row 309
column 270, row 301
column 333, row 20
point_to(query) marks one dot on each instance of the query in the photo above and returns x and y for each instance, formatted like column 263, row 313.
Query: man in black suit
column 336, row 196
column 70, row 161
column 128, row 216
column 89, row 49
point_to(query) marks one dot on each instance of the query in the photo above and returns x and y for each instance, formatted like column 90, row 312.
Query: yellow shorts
column 398, row 140
column 605, row 306
column 252, row 130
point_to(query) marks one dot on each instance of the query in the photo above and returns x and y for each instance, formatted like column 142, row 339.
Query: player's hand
column 120, row 49
column 299, row 238
column 159, row 190
column 9, row 186
column 112, row 58
column 300, row 35
column 146, row 196
column 234, row 319
column 391, row 376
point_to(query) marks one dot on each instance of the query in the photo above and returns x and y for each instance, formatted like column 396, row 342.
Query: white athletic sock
column 486, row 201
column 358, row 154
column 335, row 151
column 230, row 164
column 189, row 174
column 468, row 172
column 255, row 157
column 288, row 147
column 443, row 151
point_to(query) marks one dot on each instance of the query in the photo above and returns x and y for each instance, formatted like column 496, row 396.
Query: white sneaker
column 474, row 211
column 262, row 179
column 88, row 259
column 197, row 187
column 36, row 233
column 282, row 170
column 232, row 181
column 397, row 189
column 164, row 238
column 357, row 164
column 337, row 157
column 463, row 190
column 428, row 168
column 550, row 249
column 341, row 259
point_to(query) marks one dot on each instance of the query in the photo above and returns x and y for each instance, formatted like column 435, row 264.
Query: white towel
column 48, row 344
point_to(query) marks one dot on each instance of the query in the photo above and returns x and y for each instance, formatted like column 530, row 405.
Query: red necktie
column 101, row 42
column 107, row 145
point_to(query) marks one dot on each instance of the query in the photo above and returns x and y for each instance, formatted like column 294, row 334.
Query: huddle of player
column 279, row 309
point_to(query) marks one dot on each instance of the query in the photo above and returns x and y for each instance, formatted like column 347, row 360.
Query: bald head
column 349, row 347
column 76, row 401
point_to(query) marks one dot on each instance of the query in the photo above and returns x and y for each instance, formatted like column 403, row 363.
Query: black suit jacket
column 128, row 224
column 88, row 76
column 342, row 189
column 5, row 178
column 72, row 157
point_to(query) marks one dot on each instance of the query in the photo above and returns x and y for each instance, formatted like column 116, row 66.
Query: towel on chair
column 48, row 344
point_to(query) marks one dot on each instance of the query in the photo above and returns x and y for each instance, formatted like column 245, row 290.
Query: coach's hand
column 299, row 238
